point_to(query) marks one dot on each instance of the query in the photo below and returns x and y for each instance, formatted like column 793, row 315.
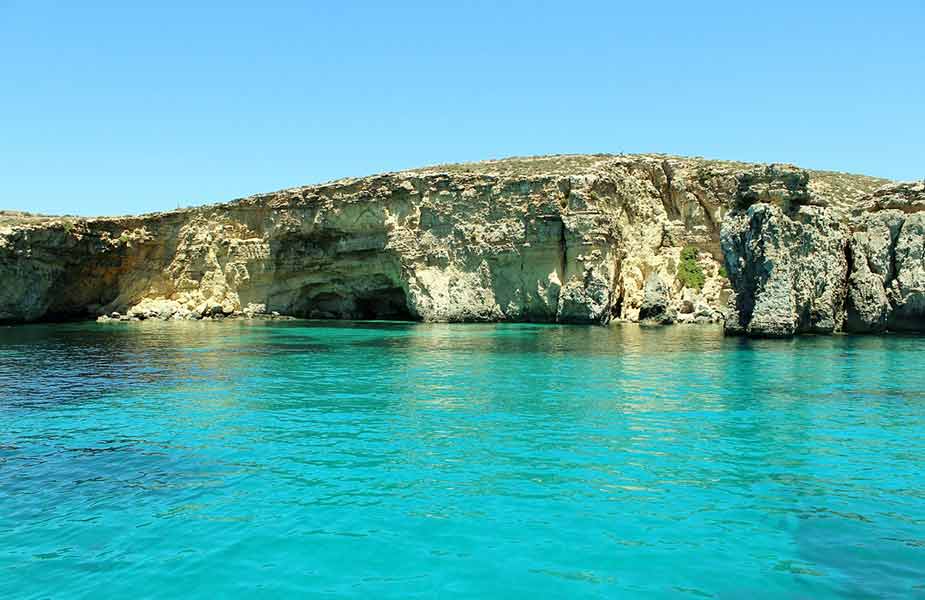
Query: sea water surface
column 395, row 460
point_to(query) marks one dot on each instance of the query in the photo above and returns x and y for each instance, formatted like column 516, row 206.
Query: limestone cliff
column 803, row 263
column 886, row 251
column 572, row 239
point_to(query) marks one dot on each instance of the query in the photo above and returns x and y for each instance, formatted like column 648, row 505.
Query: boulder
column 655, row 301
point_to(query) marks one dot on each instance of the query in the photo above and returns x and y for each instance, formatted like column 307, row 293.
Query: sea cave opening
column 388, row 304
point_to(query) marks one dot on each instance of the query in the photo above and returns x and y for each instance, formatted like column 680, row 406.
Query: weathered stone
column 886, row 288
column 655, row 300
column 798, row 268
column 554, row 239
column 154, row 308
column 787, row 268
column 867, row 304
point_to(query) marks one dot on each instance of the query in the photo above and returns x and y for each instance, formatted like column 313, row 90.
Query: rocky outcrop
column 886, row 289
column 656, row 301
column 785, row 257
column 568, row 239
column 802, row 263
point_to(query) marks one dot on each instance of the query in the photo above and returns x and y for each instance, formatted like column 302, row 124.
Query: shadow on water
column 78, row 362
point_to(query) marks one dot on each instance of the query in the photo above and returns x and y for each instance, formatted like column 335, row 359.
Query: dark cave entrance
column 389, row 304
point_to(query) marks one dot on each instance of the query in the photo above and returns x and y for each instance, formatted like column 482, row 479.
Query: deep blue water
column 386, row 460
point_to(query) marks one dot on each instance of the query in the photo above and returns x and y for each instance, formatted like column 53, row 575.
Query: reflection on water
column 396, row 459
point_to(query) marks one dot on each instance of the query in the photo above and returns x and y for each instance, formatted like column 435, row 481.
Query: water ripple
column 397, row 460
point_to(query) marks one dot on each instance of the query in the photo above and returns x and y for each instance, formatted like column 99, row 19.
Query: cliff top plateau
column 840, row 189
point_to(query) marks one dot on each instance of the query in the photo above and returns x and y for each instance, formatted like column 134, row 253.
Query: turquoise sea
column 396, row 460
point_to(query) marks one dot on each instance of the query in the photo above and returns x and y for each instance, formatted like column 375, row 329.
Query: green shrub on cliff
column 689, row 272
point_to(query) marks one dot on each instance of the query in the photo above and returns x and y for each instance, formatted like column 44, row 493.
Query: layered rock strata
column 568, row 239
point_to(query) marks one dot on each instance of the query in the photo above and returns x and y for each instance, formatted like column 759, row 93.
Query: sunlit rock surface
column 800, row 262
column 568, row 239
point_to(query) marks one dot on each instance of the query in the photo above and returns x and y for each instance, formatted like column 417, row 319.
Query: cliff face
column 576, row 239
column 886, row 251
column 800, row 264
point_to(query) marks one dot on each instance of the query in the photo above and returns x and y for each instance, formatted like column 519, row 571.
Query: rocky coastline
column 799, row 267
column 770, row 250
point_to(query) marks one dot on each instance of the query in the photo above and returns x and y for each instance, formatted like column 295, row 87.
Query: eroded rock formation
column 886, row 289
column 569, row 239
column 802, row 263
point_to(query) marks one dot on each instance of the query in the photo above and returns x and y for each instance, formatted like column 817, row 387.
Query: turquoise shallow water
column 388, row 460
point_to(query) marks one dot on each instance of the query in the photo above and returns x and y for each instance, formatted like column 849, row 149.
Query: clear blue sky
column 107, row 108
